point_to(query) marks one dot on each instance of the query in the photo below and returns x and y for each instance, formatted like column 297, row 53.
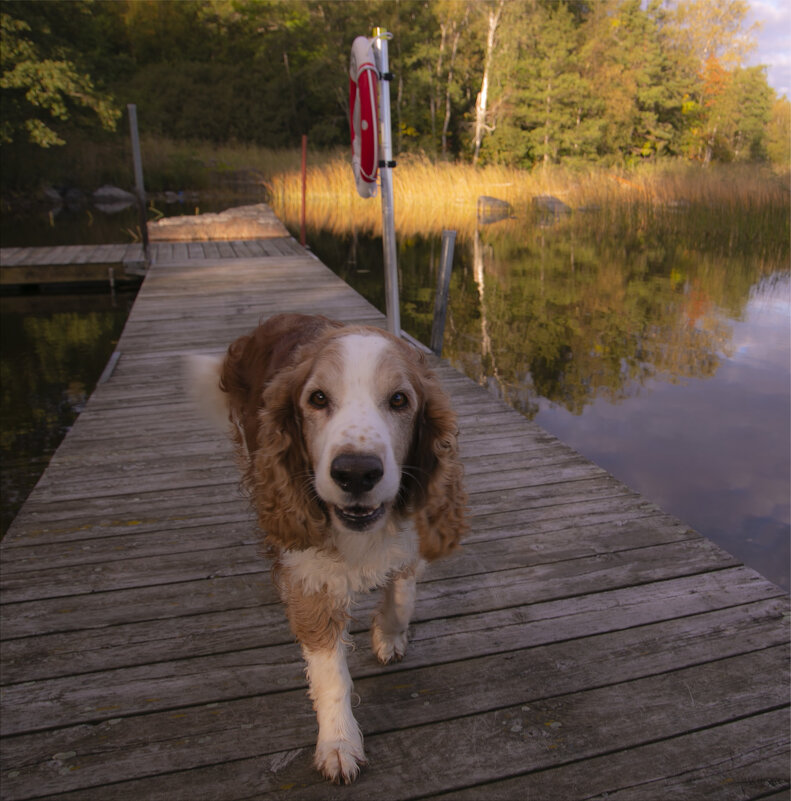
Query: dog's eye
column 318, row 400
column 399, row 400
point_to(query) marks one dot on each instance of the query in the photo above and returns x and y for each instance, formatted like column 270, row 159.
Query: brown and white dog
column 348, row 447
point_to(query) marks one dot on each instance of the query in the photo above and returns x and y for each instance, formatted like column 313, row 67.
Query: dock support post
column 443, row 287
column 139, row 187
column 386, row 179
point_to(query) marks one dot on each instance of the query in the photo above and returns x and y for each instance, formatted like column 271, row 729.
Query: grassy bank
column 430, row 196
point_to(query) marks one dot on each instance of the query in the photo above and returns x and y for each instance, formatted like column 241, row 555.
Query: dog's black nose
column 356, row 473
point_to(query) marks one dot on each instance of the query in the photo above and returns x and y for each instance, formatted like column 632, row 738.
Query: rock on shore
column 243, row 222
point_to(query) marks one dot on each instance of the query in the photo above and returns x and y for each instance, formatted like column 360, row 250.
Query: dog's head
column 350, row 432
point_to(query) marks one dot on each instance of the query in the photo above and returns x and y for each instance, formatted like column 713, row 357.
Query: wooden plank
column 10, row 256
column 180, row 251
column 28, row 255
column 76, row 254
column 432, row 639
column 64, row 263
column 161, row 252
column 240, row 249
column 133, row 252
column 211, row 250
column 532, row 731
column 225, row 250
column 704, row 764
column 100, row 254
column 157, row 602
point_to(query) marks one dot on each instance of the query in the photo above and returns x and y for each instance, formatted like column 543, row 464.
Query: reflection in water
column 714, row 452
column 656, row 345
column 53, row 349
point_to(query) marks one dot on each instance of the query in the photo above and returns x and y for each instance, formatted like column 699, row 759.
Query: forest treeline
column 517, row 82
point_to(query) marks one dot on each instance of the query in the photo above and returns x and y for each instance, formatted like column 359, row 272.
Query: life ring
column 363, row 116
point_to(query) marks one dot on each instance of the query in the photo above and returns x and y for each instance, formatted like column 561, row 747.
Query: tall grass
column 431, row 196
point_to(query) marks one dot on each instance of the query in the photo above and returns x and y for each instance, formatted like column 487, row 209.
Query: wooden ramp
column 582, row 645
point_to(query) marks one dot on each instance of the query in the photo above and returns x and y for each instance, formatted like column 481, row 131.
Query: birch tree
column 493, row 15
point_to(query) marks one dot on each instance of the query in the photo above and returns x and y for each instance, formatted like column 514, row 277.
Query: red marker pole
column 302, row 239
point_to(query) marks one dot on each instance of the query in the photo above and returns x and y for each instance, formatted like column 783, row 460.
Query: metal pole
column 138, row 167
column 443, row 286
column 386, row 180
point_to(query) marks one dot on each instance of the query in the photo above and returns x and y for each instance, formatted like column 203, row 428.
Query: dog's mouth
column 358, row 517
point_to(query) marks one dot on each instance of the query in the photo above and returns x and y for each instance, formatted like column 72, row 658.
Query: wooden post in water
column 443, row 287
column 302, row 236
column 139, row 187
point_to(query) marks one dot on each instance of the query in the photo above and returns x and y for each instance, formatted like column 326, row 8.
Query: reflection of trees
column 590, row 306
column 573, row 318
column 488, row 362
column 49, row 364
column 65, row 350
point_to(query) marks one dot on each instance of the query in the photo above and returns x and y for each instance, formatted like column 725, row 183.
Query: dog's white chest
column 358, row 563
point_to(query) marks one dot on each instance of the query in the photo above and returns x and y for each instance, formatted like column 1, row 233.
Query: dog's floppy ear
column 288, row 509
column 262, row 376
column 435, row 489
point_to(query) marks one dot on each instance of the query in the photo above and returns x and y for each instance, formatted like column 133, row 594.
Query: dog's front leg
column 339, row 748
column 319, row 622
column 390, row 627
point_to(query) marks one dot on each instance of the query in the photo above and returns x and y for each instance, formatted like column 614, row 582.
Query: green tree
column 44, row 85
column 636, row 80
column 778, row 134
column 554, row 105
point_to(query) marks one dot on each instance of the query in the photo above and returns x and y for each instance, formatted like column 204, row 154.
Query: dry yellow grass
column 431, row 196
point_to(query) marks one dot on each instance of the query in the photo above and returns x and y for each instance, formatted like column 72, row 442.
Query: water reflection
column 53, row 349
column 656, row 345
column 714, row 452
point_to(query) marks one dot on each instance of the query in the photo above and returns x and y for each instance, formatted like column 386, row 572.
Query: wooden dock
column 68, row 264
column 582, row 645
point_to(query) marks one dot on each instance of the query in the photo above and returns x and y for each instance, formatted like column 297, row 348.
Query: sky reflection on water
column 712, row 451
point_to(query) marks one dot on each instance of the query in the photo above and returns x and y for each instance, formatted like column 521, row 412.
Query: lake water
column 661, row 354
column 655, row 346
column 53, row 348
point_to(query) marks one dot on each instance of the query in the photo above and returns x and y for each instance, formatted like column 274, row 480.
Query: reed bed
column 431, row 196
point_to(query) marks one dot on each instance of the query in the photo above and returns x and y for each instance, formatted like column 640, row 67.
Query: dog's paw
column 388, row 647
column 339, row 761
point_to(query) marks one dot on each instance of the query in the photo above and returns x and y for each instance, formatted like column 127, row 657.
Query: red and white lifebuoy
column 363, row 118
